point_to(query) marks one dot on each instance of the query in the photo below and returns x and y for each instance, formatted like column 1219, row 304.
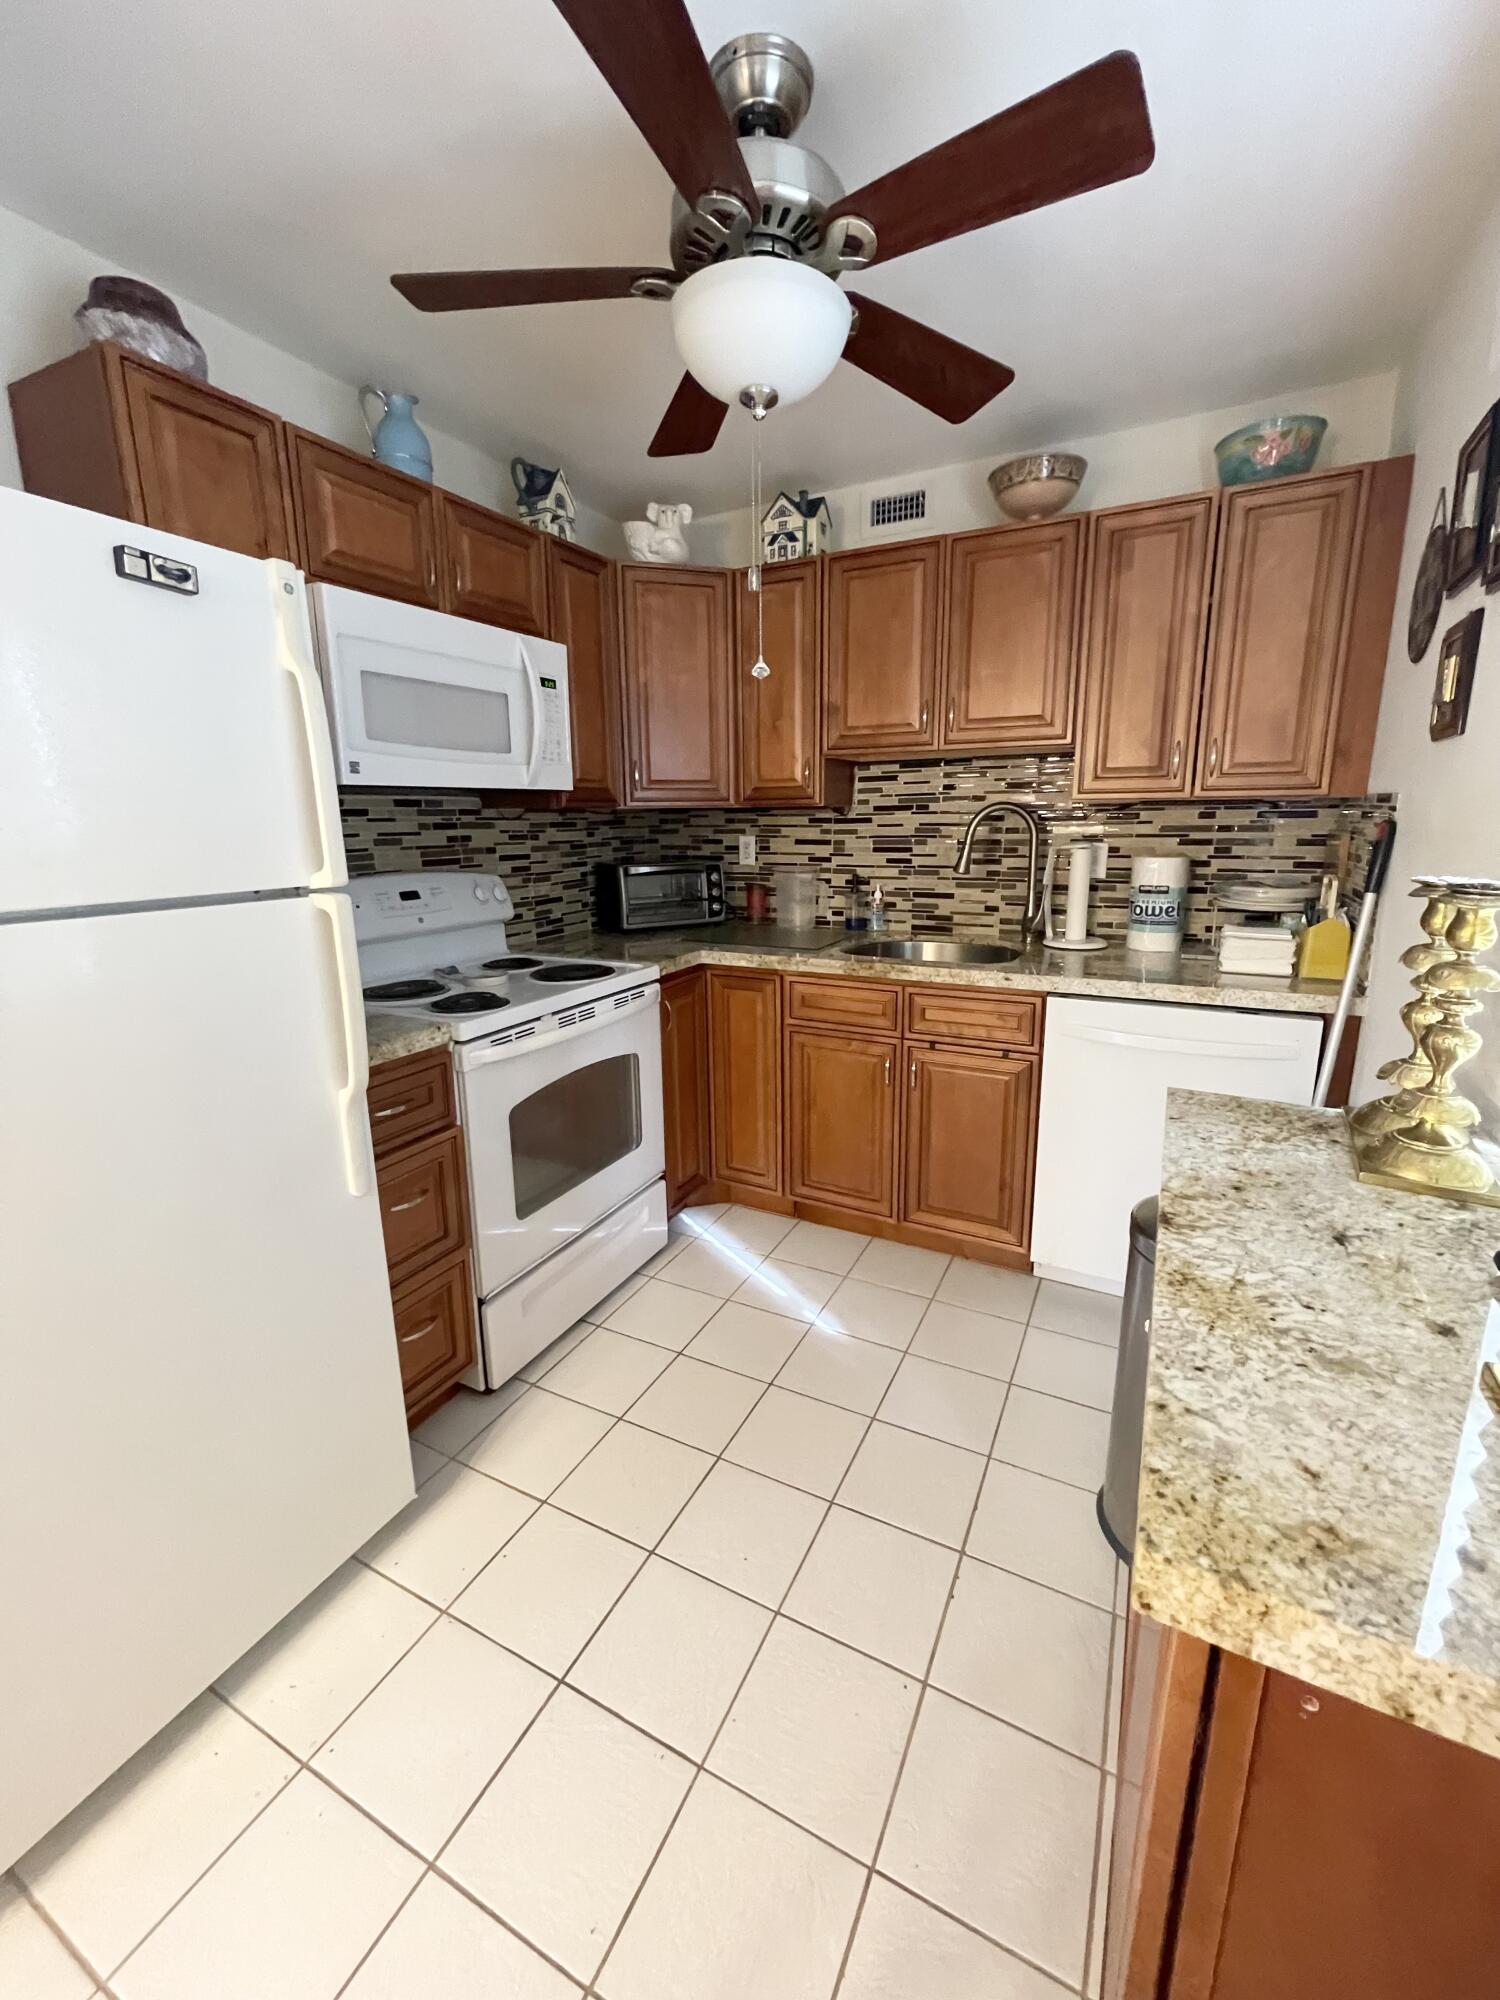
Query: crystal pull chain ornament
column 757, row 401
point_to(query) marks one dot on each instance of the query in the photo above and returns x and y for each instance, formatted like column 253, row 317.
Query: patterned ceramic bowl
column 1272, row 448
column 1042, row 483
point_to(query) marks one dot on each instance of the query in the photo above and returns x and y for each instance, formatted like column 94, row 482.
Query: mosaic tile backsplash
column 902, row 831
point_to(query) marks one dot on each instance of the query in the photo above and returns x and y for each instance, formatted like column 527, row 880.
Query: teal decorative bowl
column 1272, row 448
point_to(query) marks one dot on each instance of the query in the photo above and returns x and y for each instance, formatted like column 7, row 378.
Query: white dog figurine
column 659, row 538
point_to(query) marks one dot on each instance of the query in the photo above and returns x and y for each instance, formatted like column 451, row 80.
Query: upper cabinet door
column 1281, row 589
column 1146, row 616
column 882, row 632
column 1012, row 626
column 494, row 569
column 778, row 717
column 581, row 613
column 678, row 727
column 363, row 525
column 209, row 466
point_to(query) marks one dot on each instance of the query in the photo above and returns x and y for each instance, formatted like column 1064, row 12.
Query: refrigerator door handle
column 534, row 688
column 358, row 1167
column 293, row 646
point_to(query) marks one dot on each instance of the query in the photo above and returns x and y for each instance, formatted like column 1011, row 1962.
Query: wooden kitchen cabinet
column 1012, row 632
column 970, row 1143
column 581, row 615
column 882, row 629
column 687, row 1086
column 679, row 730
column 841, row 1120
column 494, row 570
column 362, row 525
column 1146, row 613
column 745, row 1044
column 780, row 756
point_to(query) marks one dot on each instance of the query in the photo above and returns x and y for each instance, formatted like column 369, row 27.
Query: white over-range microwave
column 421, row 701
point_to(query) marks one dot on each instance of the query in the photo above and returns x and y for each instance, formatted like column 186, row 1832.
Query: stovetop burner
column 472, row 1002
column 509, row 964
column 571, row 975
column 404, row 989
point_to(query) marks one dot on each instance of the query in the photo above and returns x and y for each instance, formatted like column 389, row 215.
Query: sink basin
column 933, row 951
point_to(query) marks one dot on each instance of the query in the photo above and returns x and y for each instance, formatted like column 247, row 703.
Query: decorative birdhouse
column 543, row 499
column 792, row 527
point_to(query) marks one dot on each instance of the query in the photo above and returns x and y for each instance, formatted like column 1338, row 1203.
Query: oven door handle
column 508, row 1044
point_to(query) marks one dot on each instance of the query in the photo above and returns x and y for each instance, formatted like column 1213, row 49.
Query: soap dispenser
column 877, row 908
column 857, row 906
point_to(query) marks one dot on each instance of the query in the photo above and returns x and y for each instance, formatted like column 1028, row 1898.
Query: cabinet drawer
column 838, row 1003
column 423, row 1208
column 959, row 1014
column 434, row 1329
column 411, row 1098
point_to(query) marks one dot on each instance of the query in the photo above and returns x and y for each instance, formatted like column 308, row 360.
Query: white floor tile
column 873, row 1312
column 465, row 1414
column 34, row 1964
column 836, row 1368
column 824, row 1249
column 549, row 1588
column 1044, row 1434
column 449, row 1532
column 806, row 1443
column 308, row 1673
column 1057, row 1364
column 988, row 1288
column 608, row 1371
column 905, row 1951
column 752, row 1232
column 633, row 1484
column 740, row 1906
column 1071, row 1309
column 697, row 1404
column 817, row 1732
column 671, row 1654
column 423, row 1746
column 705, row 1267
column 549, row 1357
column 667, row 1315
column 1027, row 1654
column 1094, row 1979
column 967, row 1339
column 875, row 1587
column 902, row 1267
column 747, row 1340
column 698, row 1220
column 949, row 1403
column 1042, row 1529
column 601, row 1312
column 564, row 1836
column 668, row 1254
column 914, row 1482
column 424, row 1462
column 746, row 1532
column 120, row 1860
column 441, row 1945
column 537, row 1444
column 1114, row 1705
column 999, row 1829
column 796, row 1291
column 289, row 1910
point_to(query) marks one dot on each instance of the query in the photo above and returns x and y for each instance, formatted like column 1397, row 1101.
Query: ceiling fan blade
column 650, row 56
column 464, row 291
column 1083, row 132
column 691, row 423
column 944, row 376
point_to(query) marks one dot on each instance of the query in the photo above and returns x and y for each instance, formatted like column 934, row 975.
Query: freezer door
column 158, row 739
column 202, row 1412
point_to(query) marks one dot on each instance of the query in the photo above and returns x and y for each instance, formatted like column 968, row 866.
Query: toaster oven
column 658, row 895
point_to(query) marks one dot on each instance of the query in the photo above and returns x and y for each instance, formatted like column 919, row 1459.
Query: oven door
column 561, row 1127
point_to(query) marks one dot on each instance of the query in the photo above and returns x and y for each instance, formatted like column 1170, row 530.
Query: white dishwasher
column 1106, row 1071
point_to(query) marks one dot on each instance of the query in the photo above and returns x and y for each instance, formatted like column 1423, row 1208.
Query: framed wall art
column 1455, row 677
column 1468, row 530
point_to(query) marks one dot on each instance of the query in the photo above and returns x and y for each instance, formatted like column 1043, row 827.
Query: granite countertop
column 1315, row 1493
column 391, row 1035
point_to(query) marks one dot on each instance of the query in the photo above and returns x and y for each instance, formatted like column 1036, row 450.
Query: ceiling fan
column 723, row 131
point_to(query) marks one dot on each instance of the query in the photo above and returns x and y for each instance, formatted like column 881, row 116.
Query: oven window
column 574, row 1128
column 674, row 891
column 434, row 715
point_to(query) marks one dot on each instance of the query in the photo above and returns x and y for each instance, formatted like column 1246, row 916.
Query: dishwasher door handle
column 1169, row 1045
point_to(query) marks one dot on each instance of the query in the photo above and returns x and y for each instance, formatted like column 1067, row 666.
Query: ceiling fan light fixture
column 760, row 322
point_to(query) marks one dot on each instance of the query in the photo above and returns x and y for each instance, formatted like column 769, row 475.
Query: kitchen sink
column 934, row 951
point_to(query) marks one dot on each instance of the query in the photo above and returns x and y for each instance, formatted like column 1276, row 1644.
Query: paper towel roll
column 1080, row 875
column 1158, row 902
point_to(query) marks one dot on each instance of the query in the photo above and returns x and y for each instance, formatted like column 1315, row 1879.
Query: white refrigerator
column 200, row 1403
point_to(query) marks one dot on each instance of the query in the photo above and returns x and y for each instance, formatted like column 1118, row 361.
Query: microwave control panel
column 556, row 749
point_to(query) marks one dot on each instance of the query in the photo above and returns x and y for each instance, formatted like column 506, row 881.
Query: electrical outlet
column 747, row 850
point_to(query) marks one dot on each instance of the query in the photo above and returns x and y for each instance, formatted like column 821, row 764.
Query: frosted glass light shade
column 760, row 320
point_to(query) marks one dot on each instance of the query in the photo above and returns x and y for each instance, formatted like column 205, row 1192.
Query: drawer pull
column 394, row 1111
column 416, row 1201
column 913, row 1079
column 888, row 1071
column 420, row 1333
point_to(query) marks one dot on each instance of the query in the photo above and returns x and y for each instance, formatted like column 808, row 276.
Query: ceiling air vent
column 893, row 512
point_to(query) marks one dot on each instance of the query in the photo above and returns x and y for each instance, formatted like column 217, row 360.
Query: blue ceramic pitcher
column 398, row 440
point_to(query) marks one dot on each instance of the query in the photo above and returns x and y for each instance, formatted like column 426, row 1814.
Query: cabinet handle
column 420, row 1333
column 415, row 1202
column 666, row 1007
column 458, row 581
column 432, row 574
column 635, row 773
column 807, row 774
column 1176, row 757
column 913, row 1080
column 952, row 712
column 888, row 1072
column 1213, row 756
column 926, row 711
column 395, row 1111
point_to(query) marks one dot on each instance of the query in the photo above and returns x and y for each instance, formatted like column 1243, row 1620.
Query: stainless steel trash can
column 1122, row 1466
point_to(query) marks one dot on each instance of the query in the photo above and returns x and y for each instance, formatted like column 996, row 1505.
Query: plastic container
column 797, row 899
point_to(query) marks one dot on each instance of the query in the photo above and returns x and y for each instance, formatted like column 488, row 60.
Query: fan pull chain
column 759, row 671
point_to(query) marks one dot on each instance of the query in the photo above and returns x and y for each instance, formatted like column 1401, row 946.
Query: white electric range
column 559, row 1074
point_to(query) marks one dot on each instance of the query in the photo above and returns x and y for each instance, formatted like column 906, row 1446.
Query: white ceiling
column 1316, row 162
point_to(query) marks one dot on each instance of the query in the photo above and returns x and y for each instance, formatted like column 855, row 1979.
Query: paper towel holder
column 1078, row 843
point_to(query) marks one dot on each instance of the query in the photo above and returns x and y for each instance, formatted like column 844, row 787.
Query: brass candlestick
column 1422, row 1137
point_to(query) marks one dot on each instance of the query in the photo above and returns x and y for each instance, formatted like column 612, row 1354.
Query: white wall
column 1450, row 791
column 1147, row 462
column 44, row 277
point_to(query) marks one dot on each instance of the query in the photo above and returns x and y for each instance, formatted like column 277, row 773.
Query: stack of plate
column 1258, row 923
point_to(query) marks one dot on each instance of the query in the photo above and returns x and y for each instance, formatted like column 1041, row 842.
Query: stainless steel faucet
column 1031, row 921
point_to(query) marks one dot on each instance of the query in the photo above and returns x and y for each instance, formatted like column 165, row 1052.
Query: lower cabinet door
column 685, row 1085
column 745, row 1039
column 970, row 1138
column 434, row 1331
column 841, row 1095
